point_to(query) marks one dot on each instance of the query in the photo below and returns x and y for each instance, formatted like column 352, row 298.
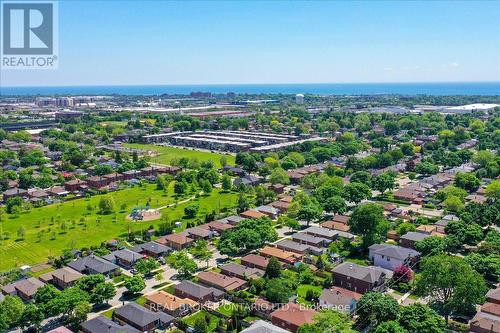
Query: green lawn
column 302, row 291
column 168, row 153
column 226, row 309
column 203, row 314
column 42, row 224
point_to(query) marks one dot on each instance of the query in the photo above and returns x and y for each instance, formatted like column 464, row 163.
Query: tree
column 483, row 157
column 103, row 292
column 146, row 266
column 249, row 234
column 191, row 210
column 79, row 314
column 243, row 203
column 493, row 190
column 89, row 282
column 44, row 294
column 32, row 317
column 391, row 326
column 182, row 263
column 467, row 181
column 363, row 177
column 273, row 268
column 134, row 284
column 356, row 192
column 426, row 168
column 377, row 308
column 328, row 321
column 452, row 285
column 453, row 204
column 405, row 227
column 420, row 318
column 106, row 205
column 368, row 221
column 432, row 245
column 21, row 232
column 384, row 181
column 226, row 183
column 180, row 187
column 289, row 222
column 278, row 290
column 402, row 274
column 223, row 161
column 279, row 176
column 206, row 186
column 201, row 251
column 12, row 307
column 309, row 212
column 335, row 204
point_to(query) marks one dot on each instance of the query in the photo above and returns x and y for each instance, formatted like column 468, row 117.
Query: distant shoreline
column 431, row 88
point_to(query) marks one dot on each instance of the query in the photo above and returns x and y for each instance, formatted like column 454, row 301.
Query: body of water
column 436, row 89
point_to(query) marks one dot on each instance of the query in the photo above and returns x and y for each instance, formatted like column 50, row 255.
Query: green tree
column 430, row 246
column 243, row 203
column 191, row 210
column 200, row 325
column 328, row 321
column 32, row 317
column 309, row 212
column 226, row 183
column 335, row 204
column 206, row 186
column 368, row 221
column 384, row 181
column 278, row 290
column 182, row 263
column 106, row 205
column 273, row 268
column 134, row 284
column 452, row 285
column 467, row 181
column 390, row 326
column 201, row 251
column 493, row 189
column 79, row 314
column 103, row 292
column 356, row 192
column 377, row 308
column 12, row 307
column 146, row 266
column 279, row 176
column 420, row 318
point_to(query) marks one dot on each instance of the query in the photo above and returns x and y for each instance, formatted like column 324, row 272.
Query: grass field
column 169, row 153
column 302, row 291
column 203, row 314
column 51, row 229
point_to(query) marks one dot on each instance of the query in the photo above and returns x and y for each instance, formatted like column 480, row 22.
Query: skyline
column 270, row 43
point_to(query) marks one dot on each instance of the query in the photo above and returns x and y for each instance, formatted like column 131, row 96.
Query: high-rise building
column 299, row 99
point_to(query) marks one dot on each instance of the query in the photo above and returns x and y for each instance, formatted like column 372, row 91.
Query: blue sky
column 137, row 42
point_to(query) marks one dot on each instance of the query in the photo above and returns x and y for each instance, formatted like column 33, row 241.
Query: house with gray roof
column 312, row 240
column 126, row 258
column 289, row 245
column 410, row 238
column 392, row 256
column 322, row 232
column 360, row 279
column 240, row 271
column 261, row 326
column 103, row 324
column 24, row 288
column 142, row 318
column 94, row 265
column 152, row 249
column 197, row 292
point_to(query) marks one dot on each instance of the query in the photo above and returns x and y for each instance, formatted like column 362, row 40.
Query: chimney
column 350, row 266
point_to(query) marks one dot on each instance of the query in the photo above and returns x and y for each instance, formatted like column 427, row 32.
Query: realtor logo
column 29, row 35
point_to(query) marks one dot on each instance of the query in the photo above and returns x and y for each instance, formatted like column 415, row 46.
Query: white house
column 392, row 256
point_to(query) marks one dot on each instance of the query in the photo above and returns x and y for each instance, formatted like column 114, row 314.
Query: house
column 339, row 299
column 63, row 277
column 392, row 256
column 291, row 316
column 74, row 185
column 235, row 171
column 270, row 211
column 177, row 241
column 261, row 326
column 217, row 226
column 221, row 282
column 484, row 322
column 170, row 304
column 198, row 233
column 24, row 288
column 97, row 182
column 248, row 180
column 339, row 218
column 234, row 220
column 240, row 271
column 282, row 206
column 308, row 239
column 94, row 265
column 197, row 292
column 277, row 188
column 103, row 324
column 142, row 318
column 286, row 257
column 57, row 191
column 14, row 192
column 126, row 258
column 152, row 249
column 252, row 214
column 410, row 238
column 253, row 260
column 360, row 279
column 322, row 232
column 336, row 226
column 60, row 329
column 292, row 246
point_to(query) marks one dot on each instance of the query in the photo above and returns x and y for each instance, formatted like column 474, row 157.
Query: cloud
column 454, row 64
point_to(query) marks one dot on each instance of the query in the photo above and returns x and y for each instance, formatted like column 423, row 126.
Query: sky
column 166, row 42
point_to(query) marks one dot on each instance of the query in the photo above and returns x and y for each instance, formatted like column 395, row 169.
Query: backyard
column 33, row 236
column 167, row 154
